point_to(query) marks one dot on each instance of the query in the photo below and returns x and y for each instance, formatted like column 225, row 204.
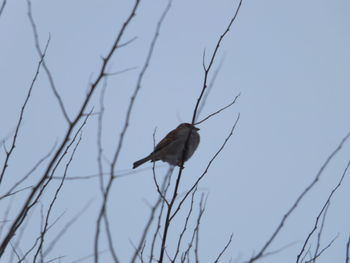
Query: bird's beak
column 197, row 129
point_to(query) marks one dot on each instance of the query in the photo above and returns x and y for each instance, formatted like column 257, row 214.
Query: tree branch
column 298, row 200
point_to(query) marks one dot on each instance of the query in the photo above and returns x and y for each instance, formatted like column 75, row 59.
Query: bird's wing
column 169, row 138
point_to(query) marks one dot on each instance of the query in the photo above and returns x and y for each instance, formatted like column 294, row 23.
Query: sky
column 290, row 62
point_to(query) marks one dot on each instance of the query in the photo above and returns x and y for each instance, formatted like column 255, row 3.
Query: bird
column 171, row 148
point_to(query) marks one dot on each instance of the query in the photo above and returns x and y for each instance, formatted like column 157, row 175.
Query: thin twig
column 20, row 235
column 156, row 232
column 276, row 251
column 105, row 192
column 308, row 253
column 321, row 212
column 2, row 6
column 220, row 110
column 6, row 138
column 298, row 200
column 48, row 73
column 55, row 259
column 31, row 171
column 196, row 247
column 202, row 205
column 127, row 42
column 15, row 192
column 15, row 251
column 43, row 232
column 152, row 215
column 209, row 89
column 89, row 256
column 322, row 250
column 6, row 214
column 223, row 251
column 117, row 174
column 38, row 238
column 212, row 59
column 189, row 213
column 320, row 232
column 154, row 172
column 66, row 138
column 100, row 166
column 120, row 71
column 206, row 169
column 14, row 139
column 110, row 240
column 65, row 229
column 347, row 257
column 102, row 212
column 39, row 188
column 99, row 135
column 169, row 214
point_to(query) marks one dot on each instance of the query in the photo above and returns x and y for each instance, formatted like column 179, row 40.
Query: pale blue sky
column 289, row 59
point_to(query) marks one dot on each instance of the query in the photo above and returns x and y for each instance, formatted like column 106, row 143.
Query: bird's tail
column 142, row 161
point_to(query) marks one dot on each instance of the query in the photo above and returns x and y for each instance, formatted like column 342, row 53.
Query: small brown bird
column 170, row 149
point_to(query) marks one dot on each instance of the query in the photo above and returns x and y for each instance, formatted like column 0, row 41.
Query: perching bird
column 171, row 148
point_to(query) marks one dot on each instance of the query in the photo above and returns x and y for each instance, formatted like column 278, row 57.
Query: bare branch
column 169, row 214
column 156, row 232
column 15, row 192
column 31, row 171
column 48, row 73
column 65, row 229
column 321, row 212
column 223, row 251
column 152, row 214
column 220, row 110
column 210, row 86
column 14, row 139
column 38, row 189
column 43, row 232
column 296, row 203
column 120, row 71
column 320, row 232
column 154, row 172
column 120, row 174
column 142, row 250
column 99, row 135
column 158, row 188
column 127, row 42
column 105, row 192
column 276, row 251
column 89, row 256
column 347, row 251
column 196, row 247
column 19, row 236
column 202, row 205
column 66, row 138
column 6, row 214
column 308, row 253
column 138, row 253
column 2, row 6
column 206, row 169
column 185, row 227
column 213, row 56
column 38, row 238
column 322, row 250
column 102, row 212
column 15, row 251
column 55, row 259
column 110, row 240
column 6, row 138
column 170, row 206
